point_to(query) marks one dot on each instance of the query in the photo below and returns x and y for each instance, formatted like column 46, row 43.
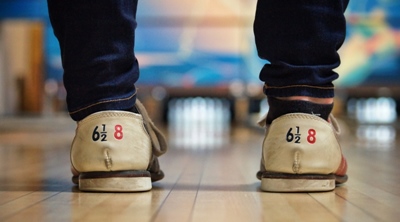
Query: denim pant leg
column 300, row 39
column 97, row 41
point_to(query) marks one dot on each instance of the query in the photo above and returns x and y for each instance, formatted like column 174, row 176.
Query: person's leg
column 300, row 39
column 96, row 40
column 116, row 145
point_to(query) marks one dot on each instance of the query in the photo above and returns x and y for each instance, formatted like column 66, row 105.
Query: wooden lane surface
column 216, row 184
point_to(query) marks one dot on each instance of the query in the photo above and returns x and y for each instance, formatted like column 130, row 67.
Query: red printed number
column 118, row 132
column 311, row 138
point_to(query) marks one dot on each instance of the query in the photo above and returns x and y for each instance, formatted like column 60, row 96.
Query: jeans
column 299, row 38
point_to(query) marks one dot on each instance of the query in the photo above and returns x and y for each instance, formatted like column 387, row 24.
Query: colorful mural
column 216, row 45
column 371, row 53
column 210, row 42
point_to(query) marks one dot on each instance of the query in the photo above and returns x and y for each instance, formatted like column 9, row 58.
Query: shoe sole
column 276, row 182
column 121, row 181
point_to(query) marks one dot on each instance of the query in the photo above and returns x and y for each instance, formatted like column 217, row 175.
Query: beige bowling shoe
column 301, row 153
column 116, row 151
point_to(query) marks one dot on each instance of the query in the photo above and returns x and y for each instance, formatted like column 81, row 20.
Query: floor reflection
column 376, row 120
column 32, row 161
column 198, row 123
column 376, row 136
column 373, row 110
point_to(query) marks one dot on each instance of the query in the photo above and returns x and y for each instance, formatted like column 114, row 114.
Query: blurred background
column 203, row 71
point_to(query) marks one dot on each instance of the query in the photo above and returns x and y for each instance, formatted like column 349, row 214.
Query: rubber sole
column 122, row 181
column 276, row 182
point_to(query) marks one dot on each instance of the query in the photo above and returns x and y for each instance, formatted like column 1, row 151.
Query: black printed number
column 96, row 135
column 289, row 135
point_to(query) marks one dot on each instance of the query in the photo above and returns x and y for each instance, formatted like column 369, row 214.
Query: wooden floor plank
column 18, row 205
column 7, row 196
column 374, row 202
column 178, row 206
column 340, row 207
column 222, row 188
column 307, row 208
column 54, row 208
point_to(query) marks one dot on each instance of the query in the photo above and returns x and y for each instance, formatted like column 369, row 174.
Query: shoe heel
column 119, row 181
column 297, row 183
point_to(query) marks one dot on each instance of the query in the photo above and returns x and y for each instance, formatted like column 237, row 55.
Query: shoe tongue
column 158, row 141
column 279, row 108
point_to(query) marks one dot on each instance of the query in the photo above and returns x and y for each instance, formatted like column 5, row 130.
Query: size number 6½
column 295, row 135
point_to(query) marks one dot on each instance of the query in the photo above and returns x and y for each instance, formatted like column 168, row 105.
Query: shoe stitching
column 107, row 160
